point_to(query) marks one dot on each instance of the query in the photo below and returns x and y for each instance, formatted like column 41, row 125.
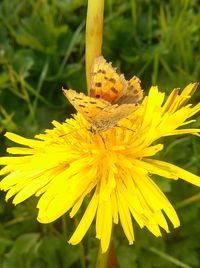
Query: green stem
column 188, row 201
column 107, row 259
column 94, row 32
column 102, row 259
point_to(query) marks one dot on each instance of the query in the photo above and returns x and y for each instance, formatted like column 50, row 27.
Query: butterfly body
column 111, row 99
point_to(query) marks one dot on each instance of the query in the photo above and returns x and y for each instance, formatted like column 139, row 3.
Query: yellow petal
column 179, row 172
column 86, row 221
column 104, row 224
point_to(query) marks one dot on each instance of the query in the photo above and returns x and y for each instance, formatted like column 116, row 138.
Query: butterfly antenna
column 71, row 132
column 117, row 126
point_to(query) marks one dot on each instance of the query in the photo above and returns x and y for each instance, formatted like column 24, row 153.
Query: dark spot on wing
column 77, row 98
column 112, row 80
column 97, row 96
column 100, row 71
column 99, row 107
column 93, row 102
column 98, row 84
column 114, row 90
column 82, row 106
column 105, row 77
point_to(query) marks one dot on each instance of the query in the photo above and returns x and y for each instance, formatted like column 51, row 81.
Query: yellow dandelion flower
column 112, row 168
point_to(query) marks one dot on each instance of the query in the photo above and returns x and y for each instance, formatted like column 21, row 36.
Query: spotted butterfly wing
column 134, row 92
column 89, row 107
column 105, row 82
column 108, row 85
column 111, row 115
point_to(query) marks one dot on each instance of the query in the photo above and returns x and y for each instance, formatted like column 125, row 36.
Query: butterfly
column 111, row 99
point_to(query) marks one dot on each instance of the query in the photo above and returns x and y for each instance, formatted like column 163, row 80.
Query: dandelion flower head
column 113, row 169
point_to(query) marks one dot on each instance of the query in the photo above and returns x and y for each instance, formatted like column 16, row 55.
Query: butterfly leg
column 95, row 132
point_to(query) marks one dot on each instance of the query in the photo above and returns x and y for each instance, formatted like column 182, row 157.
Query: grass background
column 42, row 49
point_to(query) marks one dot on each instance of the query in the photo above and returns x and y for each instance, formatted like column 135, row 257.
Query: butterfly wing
column 134, row 92
column 111, row 115
column 105, row 82
column 89, row 107
column 108, row 85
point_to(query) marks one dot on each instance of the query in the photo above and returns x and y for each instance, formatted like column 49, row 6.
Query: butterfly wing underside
column 134, row 92
column 89, row 107
column 111, row 115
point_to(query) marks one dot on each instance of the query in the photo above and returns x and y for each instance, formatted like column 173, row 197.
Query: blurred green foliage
column 42, row 49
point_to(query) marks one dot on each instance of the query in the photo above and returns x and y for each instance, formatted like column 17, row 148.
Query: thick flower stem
column 102, row 259
column 107, row 259
column 94, row 31
column 112, row 259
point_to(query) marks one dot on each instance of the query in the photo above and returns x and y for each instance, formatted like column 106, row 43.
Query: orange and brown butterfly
column 111, row 99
